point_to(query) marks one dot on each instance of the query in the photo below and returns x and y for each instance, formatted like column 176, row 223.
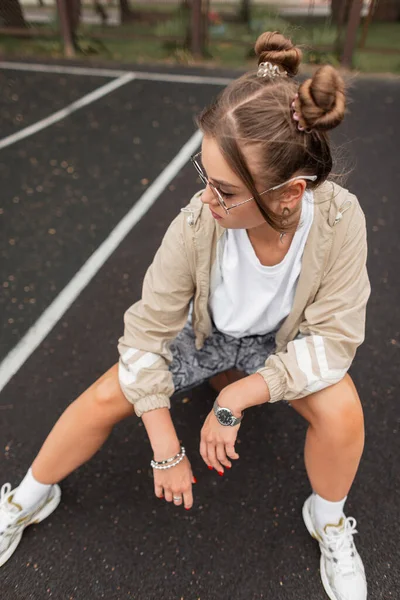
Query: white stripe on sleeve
column 304, row 361
column 128, row 373
column 327, row 374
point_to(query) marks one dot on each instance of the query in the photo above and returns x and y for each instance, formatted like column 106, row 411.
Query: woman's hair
column 256, row 113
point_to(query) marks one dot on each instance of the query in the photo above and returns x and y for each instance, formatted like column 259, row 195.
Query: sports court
column 94, row 165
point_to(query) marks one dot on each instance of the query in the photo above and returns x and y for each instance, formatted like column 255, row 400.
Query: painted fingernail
column 228, row 467
column 187, row 508
column 220, row 473
column 161, row 497
column 194, row 479
column 211, row 468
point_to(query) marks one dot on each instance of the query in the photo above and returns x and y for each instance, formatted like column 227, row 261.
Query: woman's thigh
column 105, row 396
column 333, row 404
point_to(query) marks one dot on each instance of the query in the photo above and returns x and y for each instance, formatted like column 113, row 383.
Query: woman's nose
column 208, row 197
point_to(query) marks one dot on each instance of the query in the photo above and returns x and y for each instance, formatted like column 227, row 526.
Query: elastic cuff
column 274, row 383
column 151, row 403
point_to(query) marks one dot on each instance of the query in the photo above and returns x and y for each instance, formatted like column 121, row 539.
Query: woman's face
column 220, row 174
column 233, row 191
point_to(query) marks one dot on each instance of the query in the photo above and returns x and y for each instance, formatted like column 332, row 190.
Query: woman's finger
column 168, row 495
column 212, row 457
column 188, row 498
column 221, row 455
column 231, row 452
column 177, row 498
column 158, row 490
column 203, row 452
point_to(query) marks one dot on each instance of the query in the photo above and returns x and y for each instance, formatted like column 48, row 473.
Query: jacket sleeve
column 332, row 329
column 153, row 322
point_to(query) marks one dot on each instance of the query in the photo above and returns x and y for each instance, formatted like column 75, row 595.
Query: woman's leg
column 82, row 428
column 335, row 438
column 333, row 449
column 220, row 381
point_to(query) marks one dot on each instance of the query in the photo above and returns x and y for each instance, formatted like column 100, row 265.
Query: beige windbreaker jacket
column 316, row 343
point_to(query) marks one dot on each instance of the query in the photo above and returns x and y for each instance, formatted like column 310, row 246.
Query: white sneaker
column 342, row 570
column 14, row 519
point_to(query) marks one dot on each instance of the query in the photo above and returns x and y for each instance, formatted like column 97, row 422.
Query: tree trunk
column 101, row 11
column 125, row 11
column 387, row 10
column 74, row 14
column 244, row 14
column 337, row 10
column 342, row 17
column 11, row 14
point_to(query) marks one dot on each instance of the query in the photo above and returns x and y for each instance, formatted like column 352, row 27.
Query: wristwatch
column 225, row 416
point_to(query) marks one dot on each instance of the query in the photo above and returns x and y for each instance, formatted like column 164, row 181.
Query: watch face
column 224, row 416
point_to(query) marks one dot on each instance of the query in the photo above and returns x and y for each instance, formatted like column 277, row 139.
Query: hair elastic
column 268, row 69
column 296, row 116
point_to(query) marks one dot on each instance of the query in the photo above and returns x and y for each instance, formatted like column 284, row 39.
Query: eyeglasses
column 195, row 159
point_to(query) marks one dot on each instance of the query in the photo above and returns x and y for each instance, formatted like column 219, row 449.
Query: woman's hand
column 175, row 482
column 217, row 443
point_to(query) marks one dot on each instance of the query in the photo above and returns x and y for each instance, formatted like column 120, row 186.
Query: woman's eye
column 226, row 194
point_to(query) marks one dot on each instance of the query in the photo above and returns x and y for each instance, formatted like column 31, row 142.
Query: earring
column 284, row 221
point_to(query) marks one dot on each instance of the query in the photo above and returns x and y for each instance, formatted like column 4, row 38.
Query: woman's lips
column 215, row 214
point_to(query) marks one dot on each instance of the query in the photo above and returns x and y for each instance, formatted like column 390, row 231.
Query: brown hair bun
column 273, row 47
column 321, row 100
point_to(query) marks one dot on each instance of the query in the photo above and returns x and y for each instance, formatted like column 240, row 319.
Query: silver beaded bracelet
column 169, row 460
column 160, row 465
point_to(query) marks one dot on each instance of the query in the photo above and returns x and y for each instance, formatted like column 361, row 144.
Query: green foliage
column 315, row 37
column 177, row 27
column 320, row 57
column 267, row 22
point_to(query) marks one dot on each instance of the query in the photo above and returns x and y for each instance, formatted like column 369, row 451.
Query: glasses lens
column 203, row 176
column 217, row 196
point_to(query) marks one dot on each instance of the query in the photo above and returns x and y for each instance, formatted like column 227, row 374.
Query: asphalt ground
column 63, row 191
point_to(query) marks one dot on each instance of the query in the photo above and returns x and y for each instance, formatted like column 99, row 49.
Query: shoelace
column 341, row 546
column 7, row 511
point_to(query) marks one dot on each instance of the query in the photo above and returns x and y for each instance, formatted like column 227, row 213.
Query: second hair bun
column 321, row 100
column 274, row 47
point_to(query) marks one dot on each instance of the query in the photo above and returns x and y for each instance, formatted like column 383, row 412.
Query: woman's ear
column 293, row 195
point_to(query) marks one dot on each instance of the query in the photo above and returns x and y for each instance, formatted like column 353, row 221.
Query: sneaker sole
column 44, row 512
column 311, row 530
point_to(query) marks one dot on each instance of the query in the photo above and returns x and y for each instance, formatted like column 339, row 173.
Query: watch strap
column 234, row 420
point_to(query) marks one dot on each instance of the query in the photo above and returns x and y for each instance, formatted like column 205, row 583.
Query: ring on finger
column 177, row 498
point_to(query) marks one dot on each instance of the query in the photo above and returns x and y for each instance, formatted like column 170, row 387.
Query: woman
column 261, row 277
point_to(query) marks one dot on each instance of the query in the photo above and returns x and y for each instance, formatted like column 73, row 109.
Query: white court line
column 53, row 313
column 66, row 70
column 181, row 78
column 64, row 112
column 61, row 69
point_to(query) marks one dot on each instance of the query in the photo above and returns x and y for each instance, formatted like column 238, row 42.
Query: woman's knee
column 336, row 409
column 107, row 398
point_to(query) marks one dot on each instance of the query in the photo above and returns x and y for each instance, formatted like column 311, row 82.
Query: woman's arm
column 332, row 328
column 155, row 320
column 161, row 432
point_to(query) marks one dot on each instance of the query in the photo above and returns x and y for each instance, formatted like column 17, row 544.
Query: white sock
column 326, row 512
column 30, row 491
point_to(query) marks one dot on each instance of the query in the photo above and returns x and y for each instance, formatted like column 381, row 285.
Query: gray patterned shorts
column 191, row 367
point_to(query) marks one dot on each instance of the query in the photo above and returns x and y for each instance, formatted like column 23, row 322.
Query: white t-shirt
column 252, row 299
